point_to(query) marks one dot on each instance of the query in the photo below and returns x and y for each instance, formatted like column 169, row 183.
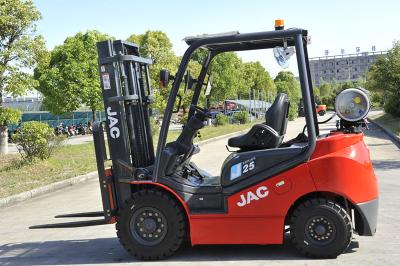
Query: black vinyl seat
column 269, row 134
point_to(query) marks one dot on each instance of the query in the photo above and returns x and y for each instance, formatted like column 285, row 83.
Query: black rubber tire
column 175, row 219
column 339, row 218
column 322, row 113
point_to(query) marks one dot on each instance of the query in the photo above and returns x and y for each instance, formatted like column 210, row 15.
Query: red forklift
column 319, row 188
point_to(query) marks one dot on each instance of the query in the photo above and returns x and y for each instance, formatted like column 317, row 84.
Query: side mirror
column 164, row 78
column 189, row 81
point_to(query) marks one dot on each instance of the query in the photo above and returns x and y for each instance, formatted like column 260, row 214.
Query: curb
column 12, row 200
column 395, row 139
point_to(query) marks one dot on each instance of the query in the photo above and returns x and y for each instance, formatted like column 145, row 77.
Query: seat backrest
column 277, row 115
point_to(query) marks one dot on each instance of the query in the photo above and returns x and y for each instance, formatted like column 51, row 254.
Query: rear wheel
column 151, row 225
column 320, row 228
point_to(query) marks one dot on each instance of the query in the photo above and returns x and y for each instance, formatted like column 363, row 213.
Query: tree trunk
column 93, row 115
column 1, row 95
column 3, row 140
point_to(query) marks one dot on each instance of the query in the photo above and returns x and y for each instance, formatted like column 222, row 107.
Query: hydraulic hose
column 322, row 122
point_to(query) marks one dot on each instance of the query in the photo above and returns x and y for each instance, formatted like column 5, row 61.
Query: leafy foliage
column 157, row 46
column 9, row 116
column 384, row 78
column 242, row 117
column 325, row 90
column 154, row 127
column 36, row 140
column 221, row 119
column 255, row 78
column 70, row 76
column 286, row 83
column 225, row 68
column 20, row 48
column 231, row 77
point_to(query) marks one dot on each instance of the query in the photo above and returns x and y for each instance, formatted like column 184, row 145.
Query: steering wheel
column 202, row 111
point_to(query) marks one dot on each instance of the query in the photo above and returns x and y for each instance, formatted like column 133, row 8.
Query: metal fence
column 74, row 118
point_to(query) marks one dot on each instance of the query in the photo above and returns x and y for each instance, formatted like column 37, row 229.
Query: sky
column 333, row 25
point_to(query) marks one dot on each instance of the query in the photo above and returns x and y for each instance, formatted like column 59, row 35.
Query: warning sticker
column 106, row 81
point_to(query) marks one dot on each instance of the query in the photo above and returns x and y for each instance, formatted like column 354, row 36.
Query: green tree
column 225, row 69
column 20, row 50
column 69, row 78
column 255, row 78
column 157, row 46
column 384, row 77
column 325, row 89
column 285, row 82
column 347, row 85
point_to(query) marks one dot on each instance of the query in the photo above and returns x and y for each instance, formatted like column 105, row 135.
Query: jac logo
column 114, row 131
column 246, row 199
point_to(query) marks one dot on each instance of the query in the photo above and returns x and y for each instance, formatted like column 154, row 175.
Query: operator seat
column 269, row 134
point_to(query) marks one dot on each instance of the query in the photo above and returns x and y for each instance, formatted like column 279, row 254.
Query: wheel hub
column 148, row 226
column 320, row 230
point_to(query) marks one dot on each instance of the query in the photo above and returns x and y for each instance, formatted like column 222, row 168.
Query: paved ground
column 98, row 245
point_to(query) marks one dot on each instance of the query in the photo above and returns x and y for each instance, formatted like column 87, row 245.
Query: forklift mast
column 125, row 85
column 127, row 95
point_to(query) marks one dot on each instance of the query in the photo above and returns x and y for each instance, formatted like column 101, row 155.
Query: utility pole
column 250, row 102
column 254, row 101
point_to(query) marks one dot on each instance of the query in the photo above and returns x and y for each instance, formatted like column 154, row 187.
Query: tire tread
column 128, row 245
column 331, row 205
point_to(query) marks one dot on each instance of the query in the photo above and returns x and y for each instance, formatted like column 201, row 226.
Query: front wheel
column 320, row 228
column 151, row 225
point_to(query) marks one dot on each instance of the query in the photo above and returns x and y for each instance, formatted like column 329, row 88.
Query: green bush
column 36, row 140
column 221, row 119
column 153, row 126
column 392, row 106
column 293, row 111
column 376, row 99
column 242, row 117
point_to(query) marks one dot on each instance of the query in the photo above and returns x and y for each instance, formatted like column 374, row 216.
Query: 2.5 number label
column 248, row 166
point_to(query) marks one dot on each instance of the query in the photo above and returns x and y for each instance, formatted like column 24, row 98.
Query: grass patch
column 68, row 161
column 388, row 121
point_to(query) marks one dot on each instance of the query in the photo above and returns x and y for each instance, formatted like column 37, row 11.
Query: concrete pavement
column 99, row 245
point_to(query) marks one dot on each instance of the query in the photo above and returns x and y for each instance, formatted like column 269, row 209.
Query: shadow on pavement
column 376, row 132
column 108, row 250
column 386, row 164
